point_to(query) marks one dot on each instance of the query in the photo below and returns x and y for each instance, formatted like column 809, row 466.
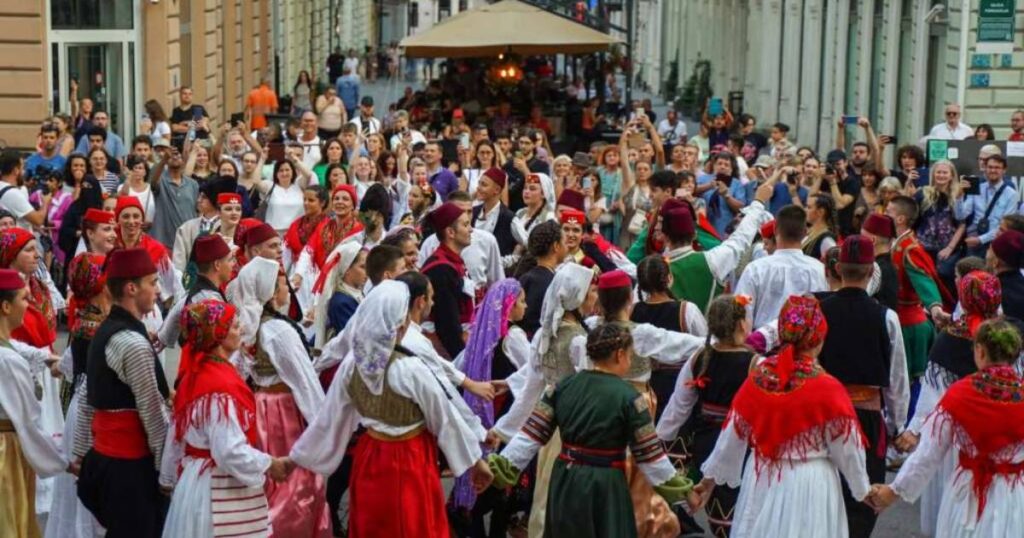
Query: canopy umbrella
column 509, row 26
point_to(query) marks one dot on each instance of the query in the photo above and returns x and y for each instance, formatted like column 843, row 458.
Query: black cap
column 367, row 100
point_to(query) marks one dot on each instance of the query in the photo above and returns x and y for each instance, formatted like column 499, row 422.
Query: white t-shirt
column 160, row 129
column 145, row 197
column 15, row 200
column 352, row 64
column 670, row 134
column 942, row 131
column 310, row 151
column 284, row 206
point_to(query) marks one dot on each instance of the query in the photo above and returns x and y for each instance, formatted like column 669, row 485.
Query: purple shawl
column 490, row 325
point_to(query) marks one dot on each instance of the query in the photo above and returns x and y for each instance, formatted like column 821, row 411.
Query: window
column 185, row 41
column 414, row 14
column 91, row 14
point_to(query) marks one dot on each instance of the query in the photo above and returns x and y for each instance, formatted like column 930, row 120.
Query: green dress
column 593, row 411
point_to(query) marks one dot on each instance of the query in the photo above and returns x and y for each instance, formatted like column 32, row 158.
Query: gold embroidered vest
column 388, row 407
column 556, row 364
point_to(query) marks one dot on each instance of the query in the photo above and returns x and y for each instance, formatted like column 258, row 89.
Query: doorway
column 103, row 72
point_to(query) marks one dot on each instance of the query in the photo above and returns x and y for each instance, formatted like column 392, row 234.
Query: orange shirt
column 261, row 101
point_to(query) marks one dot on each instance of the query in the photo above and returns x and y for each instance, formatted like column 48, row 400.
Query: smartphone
column 237, row 118
column 635, row 140
column 715, row 107
column 638, row 112
column 850, row 120
column 892, row 140
column 587, row 182
column 975, row 187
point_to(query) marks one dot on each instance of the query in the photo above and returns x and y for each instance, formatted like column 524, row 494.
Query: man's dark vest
column 857, row 350
column 105, row 390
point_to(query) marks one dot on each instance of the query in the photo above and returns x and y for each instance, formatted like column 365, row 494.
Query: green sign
column 938, row 150
column 996, row 21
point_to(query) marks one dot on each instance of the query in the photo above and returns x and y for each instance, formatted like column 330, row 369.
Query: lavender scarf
column 490, row 325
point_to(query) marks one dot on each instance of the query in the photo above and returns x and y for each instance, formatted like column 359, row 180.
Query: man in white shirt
column 14, row 198
column 772, row 279
column 365, row 121
column 309, row 139
column 952, row 128
column 671, row 130
column 402, row 131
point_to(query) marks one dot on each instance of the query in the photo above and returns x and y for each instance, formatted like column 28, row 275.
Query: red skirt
column 396, row 489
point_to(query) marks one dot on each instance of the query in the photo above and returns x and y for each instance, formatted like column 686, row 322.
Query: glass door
column 103, row 73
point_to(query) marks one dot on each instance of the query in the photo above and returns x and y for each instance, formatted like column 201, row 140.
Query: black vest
column 857, row 349
column 665, row 315
column 1013, row 294
column 105, row 390
column 202, row 284
column 726, row 371
column 889, row 289
column 502, row 229
column 954, row 354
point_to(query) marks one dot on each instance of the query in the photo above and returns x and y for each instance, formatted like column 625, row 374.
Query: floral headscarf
column 981, row 294
column 86, row 279
column 12, row 240
column 40, row 325
column 375, row 331
column 206, row 323
column 802, row 326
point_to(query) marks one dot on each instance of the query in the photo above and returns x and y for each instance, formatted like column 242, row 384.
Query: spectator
column 952, row 128
column 843, row 187
column 938, row 230
column 335, row 64
column 984, row 132
column 442, row 180
column 1016, row 126
column 111, row 142
column 309, row 140
column 520, row 164
column 48, row 158
column 728, row 196
column 330, row 113
column 403, row 132
column 913, row 168
column 136, row 184
column 671, row 129
column 183, row 116
column 174, row 195
column 350, row 139
column 365, row 122
column 81, row 111
column 261, row 101
column 98, row 160
column 301, row 94
column 984, row 210
column 142, row 147
column 159, row 128
column 754, row 141
column 65, row 134
column 14, row 198
column 348, row 90
column 351, row 62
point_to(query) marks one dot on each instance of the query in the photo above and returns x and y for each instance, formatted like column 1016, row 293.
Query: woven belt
column 276, row 388
column 593, row 457
column 865, row 397
column 713, row 413
column 380, row 436
column 6, row 426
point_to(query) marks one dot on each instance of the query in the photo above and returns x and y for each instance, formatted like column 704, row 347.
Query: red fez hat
column 857, row 249
column 880, row 225
column 11, row 280
column 1009, row 247
column 258, row 234
column 98, row 216
column 496, row 175
column 572, row 216
column 130, row 263
column 768, row 230
column 209, row 248
column 678, row 223
column 672, row 203
column 124, row 202
column 573, row 199
column 351, row 193
column 229, row 198
column 444, row 216
column 614, row 279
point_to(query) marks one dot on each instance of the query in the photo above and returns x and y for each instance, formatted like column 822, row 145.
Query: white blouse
column 18, row 404
column 284, row 206
column 293, row 366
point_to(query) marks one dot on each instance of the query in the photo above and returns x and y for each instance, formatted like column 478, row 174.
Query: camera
column 792, row 177
column 830, row 170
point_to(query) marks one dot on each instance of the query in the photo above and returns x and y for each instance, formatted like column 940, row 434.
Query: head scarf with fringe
column 338, row 263
column 374, row 329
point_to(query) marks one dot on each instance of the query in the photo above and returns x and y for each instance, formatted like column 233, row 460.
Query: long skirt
column 396, row 489
column 958, row 514
column 589, row 501
column 801, row 500
column 298, row 506
column 861, row 518
column 68, row 518
column 654, row 517
column 545, row 463
column 208, row 503
column 17, row 490
column 52, row 422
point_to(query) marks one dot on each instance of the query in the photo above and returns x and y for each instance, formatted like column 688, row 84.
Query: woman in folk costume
column 212, row 451
column 327, row 235
column 600, row 416
column 495, row 350
column 99, row 232
column 19, row 250
column 615, row 296
column 539, row 197
column 950, row 359
column 314, row 207
column 338, row 290
column 288, row 394
column 704, row 393
column 408, row 414
column 800, row 424
column 130, row 218
column 559, row 348
column 87, row 308
column 26, row 450
column 980, row 419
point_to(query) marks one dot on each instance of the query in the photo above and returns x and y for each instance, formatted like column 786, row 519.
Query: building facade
column 807, row 63
column 122, row 53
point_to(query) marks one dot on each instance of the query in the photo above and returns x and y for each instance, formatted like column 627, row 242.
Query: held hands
column 280, row 468
column 481, row 476
column 907, row 441
column 940, row 317
column 880, row 497
column 700, row 495
column 483, row 389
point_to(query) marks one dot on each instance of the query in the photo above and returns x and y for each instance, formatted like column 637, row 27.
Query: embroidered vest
column 556, row 364
column 388, row 407
column 639, row 366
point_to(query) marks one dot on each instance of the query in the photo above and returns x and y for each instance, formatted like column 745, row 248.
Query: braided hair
column 831, row 259
column 542, row 237
column 606, row 339
column 653, row 275
column 1000, row 339
column 725, row 312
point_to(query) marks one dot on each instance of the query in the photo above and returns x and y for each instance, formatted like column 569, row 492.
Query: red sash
column 119, row 434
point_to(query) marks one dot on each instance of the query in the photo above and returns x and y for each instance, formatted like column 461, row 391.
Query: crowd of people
column 597, row 343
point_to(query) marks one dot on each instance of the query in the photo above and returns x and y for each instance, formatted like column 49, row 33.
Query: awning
column 509, row 26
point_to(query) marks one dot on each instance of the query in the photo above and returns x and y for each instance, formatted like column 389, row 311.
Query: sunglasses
column 952, row 113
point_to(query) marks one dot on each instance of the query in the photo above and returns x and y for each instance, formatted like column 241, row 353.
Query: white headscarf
column 374, row 329
column 547, row 186
column 567, row 292
column 253, row 287
column 346, row 253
